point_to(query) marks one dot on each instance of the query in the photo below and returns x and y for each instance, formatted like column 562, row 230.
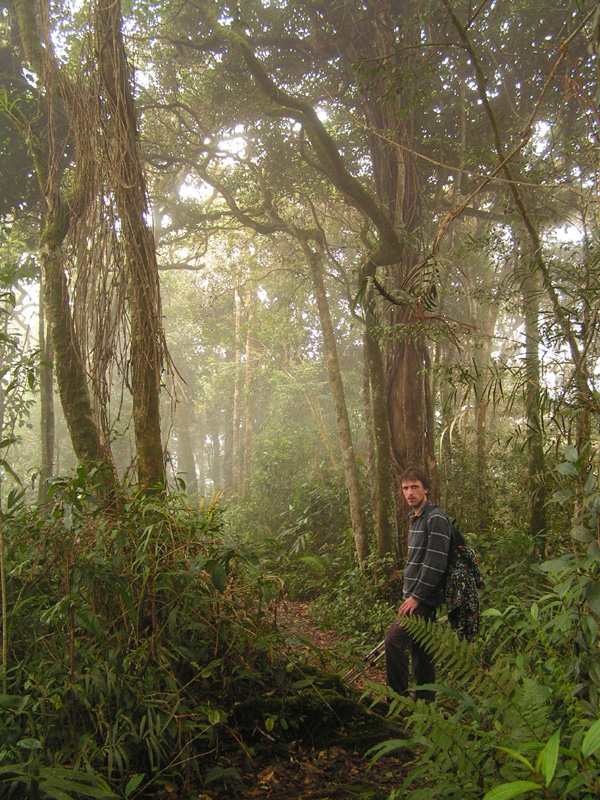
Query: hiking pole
column 376, row 654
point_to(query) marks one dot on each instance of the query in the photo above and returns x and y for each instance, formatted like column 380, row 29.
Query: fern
column 480, row 708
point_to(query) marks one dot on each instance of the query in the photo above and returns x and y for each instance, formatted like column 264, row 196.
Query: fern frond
column 495, row 696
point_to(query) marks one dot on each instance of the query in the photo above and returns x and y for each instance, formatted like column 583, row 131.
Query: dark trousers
column 398, row 646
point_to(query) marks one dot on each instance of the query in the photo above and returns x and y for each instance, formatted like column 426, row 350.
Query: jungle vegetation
column 256, row 258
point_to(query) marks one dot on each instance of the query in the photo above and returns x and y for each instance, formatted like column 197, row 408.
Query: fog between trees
column 374, row 230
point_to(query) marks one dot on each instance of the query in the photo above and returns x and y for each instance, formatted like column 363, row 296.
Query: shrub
column 518, row 712
column 132, row 632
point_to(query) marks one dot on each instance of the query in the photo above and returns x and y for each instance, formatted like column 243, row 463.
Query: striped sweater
column 428, row 546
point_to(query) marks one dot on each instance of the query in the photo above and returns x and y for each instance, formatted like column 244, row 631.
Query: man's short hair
column 415, row 474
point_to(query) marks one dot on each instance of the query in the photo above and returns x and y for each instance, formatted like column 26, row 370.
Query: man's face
column 415, row 494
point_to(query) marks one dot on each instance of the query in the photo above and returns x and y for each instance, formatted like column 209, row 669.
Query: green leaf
column 313, row 563
column 13, row 701
column 29, row 744
column 571, row 453
column 576, row 781
column 214, row 716
column 556, row 565
column 548, row 758
column 507, row 790
column 6, row 466
column 390, row 746
column 562, row 496
column 214, row 774
column 133, row 783
column 581, row 533
column 590, row 484
column 518, row 756
column 592, row 596
column 303, row 683
column 590, row 628
column 218, row 577
column 566, row 468
column 591, row 741
column 594, row 670
column 66, row 784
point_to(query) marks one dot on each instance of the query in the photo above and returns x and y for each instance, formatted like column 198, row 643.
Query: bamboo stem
column 4, row 610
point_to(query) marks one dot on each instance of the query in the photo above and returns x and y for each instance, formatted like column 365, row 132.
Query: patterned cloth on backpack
column 463, row 578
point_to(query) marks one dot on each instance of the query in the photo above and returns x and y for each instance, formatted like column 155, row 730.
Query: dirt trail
column 301, row 772
column 295, row 616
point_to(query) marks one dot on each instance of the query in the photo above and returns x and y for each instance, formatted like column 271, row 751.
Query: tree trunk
column 237, row 377
column 216, row 460
column 68, row 362
column 530, row 287
column 315, row 260
column 370, row 440
column 141, row 268
column 390, row 116
column 488, row 315
column 70, row 373
column 185, row 452
column 3, row 348
column 249, row 412
column 47, row 424
column 382, row 473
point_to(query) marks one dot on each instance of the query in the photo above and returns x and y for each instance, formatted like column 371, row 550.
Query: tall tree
column 46, row 149
column 128, row 184
column 47, row 421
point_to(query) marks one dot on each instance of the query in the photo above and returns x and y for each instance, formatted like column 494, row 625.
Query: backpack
column 461, row 581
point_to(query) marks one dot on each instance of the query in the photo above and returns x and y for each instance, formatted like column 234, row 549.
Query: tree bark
column 383, row 488
column 70, row 373
column 47, row 422
column 68, row 362
column 536, row 479
column 315, row 260
column 249, row 411
column 237, row 375
column 129, row 189
column 390, row 116
column 185, row 452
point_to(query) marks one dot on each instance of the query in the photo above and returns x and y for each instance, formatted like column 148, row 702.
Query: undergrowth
column 501, row 727
column 131, row 634
column 517, row 714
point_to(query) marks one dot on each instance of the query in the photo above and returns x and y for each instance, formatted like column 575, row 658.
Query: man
column 428, row 547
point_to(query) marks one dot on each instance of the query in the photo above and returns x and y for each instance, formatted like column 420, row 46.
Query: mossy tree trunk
column 128, row 185
column 47, row 419
column 237, row 394
column 383, row 483
column 69, row 367
column 390, row 109
column 71, row 378
column 531, row 290
column 315, row 260
column 249, row 410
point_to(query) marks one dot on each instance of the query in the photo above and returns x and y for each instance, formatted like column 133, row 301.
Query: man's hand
column 408, row 606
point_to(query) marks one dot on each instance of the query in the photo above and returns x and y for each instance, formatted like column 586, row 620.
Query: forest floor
column 298, row 771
